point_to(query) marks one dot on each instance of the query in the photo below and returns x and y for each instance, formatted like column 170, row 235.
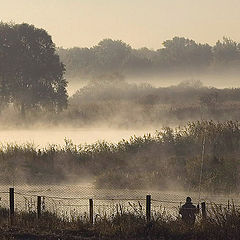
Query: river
column 43, row 137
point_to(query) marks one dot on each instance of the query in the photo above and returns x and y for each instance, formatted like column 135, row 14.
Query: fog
column 223, row 80
column 84, row 143
column 42, row 137
column 85, row 114
column 117, row 127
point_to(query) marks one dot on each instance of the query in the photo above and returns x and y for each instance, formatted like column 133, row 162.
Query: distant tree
column 144, row 53
column 137, row 65
column 111, row 55
column 79, row 61
column 178, row 54
column 183, row 54
column 31, row 74
column 226, row 53
column 7, row 39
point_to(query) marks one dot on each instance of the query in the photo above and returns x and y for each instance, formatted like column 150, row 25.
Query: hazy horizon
column 138, row 23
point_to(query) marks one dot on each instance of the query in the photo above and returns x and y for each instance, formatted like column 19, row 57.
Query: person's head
column 188, row 200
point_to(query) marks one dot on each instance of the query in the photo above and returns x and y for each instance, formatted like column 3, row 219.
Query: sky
column 140, row 23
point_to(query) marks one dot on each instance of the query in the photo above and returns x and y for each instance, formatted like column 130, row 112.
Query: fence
column 88, row 203
column 85, row 208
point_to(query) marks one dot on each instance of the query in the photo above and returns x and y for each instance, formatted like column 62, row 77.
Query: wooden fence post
column 39, row 207
column 91, row 210
column 148, row 208
column 11, row 202
column 204, row 212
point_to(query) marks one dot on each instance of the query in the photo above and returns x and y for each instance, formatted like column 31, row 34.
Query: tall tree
column 31, row 72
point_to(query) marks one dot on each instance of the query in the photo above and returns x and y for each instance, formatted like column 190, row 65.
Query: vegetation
column 178, row 55
column 31, row 74
column 134, row 106
column 32, row 81
column 220, row 224
column 124, row 105
column 170, row 159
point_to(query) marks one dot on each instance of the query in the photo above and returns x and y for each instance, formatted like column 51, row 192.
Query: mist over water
column 43, row 137
column 217, row 81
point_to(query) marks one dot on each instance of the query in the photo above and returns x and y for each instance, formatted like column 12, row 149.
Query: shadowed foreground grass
column 221, row 223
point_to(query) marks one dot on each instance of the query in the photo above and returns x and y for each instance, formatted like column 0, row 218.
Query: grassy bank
column 220, row 224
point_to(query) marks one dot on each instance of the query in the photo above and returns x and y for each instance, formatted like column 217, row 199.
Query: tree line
column 32, row 68
column 178, row 54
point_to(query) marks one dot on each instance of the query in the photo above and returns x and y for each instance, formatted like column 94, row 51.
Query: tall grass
column 169, row 158
column 220, row 224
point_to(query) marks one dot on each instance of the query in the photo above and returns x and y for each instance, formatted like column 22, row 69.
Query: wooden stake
column 204, row 212
column 148, row 208
column 91, row 210
column 39, row 207
column 11, row 203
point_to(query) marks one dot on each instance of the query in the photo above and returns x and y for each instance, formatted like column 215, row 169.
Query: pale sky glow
column 140, row 23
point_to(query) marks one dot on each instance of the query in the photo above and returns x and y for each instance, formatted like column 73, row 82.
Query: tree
column 31, row 74
column 184, row 54
column 226, row 53
column 111, row 55
column 79, row 61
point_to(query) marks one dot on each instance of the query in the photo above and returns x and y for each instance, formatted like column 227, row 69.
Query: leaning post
column 148, row 208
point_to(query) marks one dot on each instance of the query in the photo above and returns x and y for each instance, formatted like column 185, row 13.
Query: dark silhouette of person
column 188, row 212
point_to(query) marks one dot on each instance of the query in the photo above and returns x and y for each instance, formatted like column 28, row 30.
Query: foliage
column 226, row 53
column 31, row 74
column 220, row 224
column 178, row 55
column 125, row 105
column 170, row 159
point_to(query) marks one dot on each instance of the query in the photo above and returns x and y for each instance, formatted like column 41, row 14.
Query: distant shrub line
column 129, row 105
column 125, row 105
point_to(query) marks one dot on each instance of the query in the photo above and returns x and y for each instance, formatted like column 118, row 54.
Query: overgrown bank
column 169, row 159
